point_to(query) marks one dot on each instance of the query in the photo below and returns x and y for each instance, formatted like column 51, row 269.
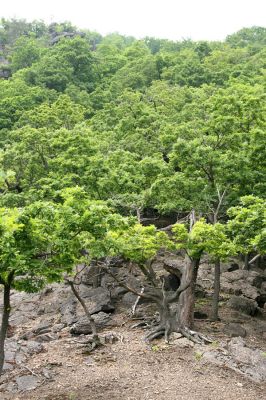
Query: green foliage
column 27, row 243
column 25, row 52
column 42, row 241
column 247, row 224
column 139, row 243
column 255, row 36
column 198, row 355
column 149, row 126
column 204, row 238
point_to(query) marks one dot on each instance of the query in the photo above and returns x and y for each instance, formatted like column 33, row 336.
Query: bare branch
column 254, row 259
column 136, row 302
column 85, row 308
column 179, row 221
column 221, row 198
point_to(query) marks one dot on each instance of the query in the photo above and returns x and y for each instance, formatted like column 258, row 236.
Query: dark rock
column 200, row 315
column 243, row 305
column 171, row 282
column 82, row 326
column 118, row 292
column 242, row 282
column 256, row 280
column 129, row 299
column 261, row 300
column 43, row 327
column 233, row 267
column 91, row 275
column 115, row 261
column 97, row 299
column 235, row 330
column 173, row 266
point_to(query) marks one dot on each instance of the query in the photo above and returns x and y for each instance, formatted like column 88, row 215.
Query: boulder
column 27, row 382
column 242, row 282
column 97, row 299
column 233, row 267
column 261, row 300
column 243, row 354
column 236, row 355
column 118, row 292
column 43, row 327
column 235, row 330
column 16, row 352
column 243, row 305
column 68, row 311
column 83, row 326
column 129, row 299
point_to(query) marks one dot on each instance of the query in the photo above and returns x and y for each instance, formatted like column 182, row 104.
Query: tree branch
column 85, row 308
column 254, row 259
column 221, row 198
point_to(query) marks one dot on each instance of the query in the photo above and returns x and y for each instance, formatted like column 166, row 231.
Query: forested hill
column 150, row 126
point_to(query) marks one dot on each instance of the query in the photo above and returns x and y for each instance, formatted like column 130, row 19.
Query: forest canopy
column 152, row 125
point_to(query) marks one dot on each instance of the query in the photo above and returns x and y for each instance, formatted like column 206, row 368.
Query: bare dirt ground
column 130, row 369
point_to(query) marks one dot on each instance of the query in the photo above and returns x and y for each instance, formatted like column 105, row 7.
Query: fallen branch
column 136, row 302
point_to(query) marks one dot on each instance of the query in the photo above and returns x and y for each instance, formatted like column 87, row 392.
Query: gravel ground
column 132, row 370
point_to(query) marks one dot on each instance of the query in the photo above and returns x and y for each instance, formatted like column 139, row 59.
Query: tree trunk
column 5, row 319
column 167, row 324
column 216, row 292
column 87, row 313
column 246, row 262
column 187, row 298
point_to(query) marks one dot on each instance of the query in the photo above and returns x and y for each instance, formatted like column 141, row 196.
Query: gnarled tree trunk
column 187, row 298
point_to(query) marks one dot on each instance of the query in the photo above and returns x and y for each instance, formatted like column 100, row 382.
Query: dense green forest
column 99, row 132
column 151, row 125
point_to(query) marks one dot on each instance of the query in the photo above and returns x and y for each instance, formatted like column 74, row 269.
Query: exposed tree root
column 166, row 331
column 155, row 333
column 195, row 337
